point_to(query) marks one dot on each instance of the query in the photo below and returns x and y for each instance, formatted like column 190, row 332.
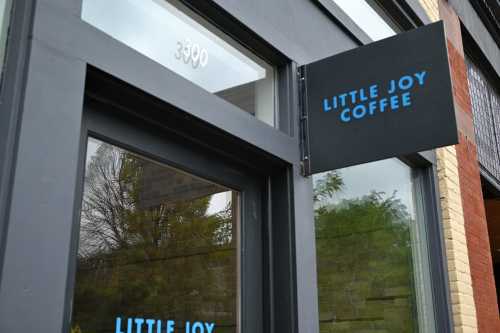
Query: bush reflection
column 155, row 243
column 364, row 257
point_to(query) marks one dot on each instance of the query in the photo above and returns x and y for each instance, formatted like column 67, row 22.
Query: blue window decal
column 142, row 325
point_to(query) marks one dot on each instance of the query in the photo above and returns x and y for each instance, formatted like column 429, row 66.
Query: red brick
column 476, row 227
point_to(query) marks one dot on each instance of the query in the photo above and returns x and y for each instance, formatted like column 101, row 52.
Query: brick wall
column 476, row 228
column 462, row 299
column 477, row 238
column 460, row 279
column 431, row 8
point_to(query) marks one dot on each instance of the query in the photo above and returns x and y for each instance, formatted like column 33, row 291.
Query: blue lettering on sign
column 142, row 325
column 361, row 103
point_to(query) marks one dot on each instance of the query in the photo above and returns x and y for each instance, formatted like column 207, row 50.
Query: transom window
column 185, row 43
column 362, row 12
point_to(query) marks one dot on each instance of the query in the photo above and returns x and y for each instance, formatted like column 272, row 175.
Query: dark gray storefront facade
column 65, row 80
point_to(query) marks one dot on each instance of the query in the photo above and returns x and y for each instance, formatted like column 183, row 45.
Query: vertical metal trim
column 75, row 232
column 268, row 260
column 305, row 157
column 15, row 71
column 282, row 244
column 427, row 188
column 437, row 250
column 292, row 250
column 287, row 98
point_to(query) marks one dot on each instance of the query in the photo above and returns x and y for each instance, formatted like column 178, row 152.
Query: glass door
column 160, row 248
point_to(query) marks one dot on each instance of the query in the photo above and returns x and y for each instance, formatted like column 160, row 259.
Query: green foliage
column 327, row 185
column 168, row 260
column 364, row 263
column 76, row 329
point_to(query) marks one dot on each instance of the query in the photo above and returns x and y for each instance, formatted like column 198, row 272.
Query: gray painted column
column 305, row 248
column 33, row 286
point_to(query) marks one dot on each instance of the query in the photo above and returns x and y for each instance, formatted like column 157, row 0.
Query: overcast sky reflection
column 366, row 18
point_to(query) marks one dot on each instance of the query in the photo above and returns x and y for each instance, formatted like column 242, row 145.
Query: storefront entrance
column 163, row 234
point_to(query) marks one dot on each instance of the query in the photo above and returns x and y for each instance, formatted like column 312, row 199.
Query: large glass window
column 183, row 42
column 158, row 249
column 373, row 270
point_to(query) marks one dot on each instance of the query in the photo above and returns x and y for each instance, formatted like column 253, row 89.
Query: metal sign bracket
column 305, row 157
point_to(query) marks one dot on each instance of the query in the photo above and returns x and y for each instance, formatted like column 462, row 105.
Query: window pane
column 5, row 9
column 156, row 245
column 366, row 18
column 369, row 251
column 189, row 46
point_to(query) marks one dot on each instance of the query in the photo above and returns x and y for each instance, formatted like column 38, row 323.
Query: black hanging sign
column 389, row 98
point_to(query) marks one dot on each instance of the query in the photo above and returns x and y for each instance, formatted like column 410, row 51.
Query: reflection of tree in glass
column 364, row 261
column 170, row 260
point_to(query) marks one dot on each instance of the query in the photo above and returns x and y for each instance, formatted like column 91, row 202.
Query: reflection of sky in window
column 219, row 202
column 388, row 176
column 153, row 28
column 366, row 18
